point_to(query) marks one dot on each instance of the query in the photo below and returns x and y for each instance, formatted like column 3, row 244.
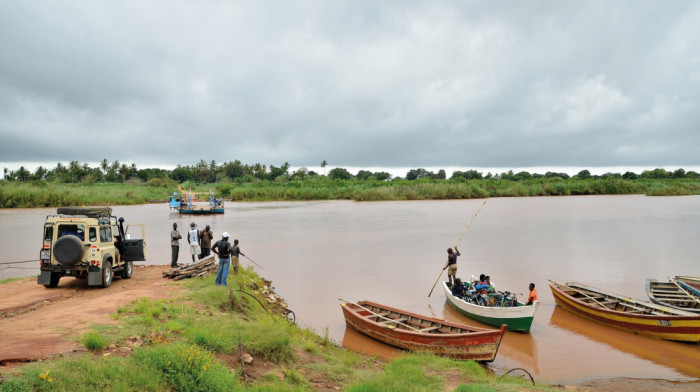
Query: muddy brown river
column 392, row 253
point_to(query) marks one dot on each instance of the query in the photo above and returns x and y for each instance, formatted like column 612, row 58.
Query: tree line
column 213, row 172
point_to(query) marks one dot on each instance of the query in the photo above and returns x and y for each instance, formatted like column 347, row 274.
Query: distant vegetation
column 114, row 183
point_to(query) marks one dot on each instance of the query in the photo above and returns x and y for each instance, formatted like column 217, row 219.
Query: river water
column 392, row 252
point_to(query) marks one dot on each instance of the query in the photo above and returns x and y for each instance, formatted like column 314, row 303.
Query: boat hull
column 202, row 211
column 479, row 344
column 684, row 327
column 517, row 318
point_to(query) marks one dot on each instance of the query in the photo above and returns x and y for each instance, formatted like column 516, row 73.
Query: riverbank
column 75, row 338
column 15, row 194
column 192, row 335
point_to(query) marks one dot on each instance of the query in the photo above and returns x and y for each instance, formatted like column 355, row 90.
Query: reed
column 44, row 194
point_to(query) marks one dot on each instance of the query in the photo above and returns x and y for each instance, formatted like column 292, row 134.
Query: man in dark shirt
column 234, row 256
column 205, row 238
column 223, row 249
column 451, row 265
column 175, row 245
column 458, row 288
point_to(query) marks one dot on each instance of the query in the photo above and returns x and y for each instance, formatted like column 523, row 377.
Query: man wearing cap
column 193, row 239
column 223, row 249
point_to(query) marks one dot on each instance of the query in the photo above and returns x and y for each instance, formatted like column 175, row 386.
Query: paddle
column 460, row 239
column 684, row 290
column 379, row 315
column 251, row 260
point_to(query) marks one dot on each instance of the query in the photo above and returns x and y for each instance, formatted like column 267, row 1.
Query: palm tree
column 323, row 165
column 104, row 165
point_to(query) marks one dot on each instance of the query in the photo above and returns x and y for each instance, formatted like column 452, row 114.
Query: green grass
column 93, row 341
column 183, row 343
column 14, row 194
column 10, row 280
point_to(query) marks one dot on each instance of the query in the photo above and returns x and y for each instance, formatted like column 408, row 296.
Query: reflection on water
column 682, row 357
column 392, row 252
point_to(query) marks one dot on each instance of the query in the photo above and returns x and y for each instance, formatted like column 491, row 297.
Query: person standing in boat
column 532, row 297
column 235, row 252
column 451, row 265
column 205, row 238
column 193, row 239
column 175, row 238
column 222, row 248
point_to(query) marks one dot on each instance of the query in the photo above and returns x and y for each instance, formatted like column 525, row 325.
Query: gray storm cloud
column 357, row 83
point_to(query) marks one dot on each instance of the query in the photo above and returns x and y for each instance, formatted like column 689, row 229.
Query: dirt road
column 36, row 322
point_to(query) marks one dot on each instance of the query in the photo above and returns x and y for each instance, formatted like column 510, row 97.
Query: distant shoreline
column 15, row 194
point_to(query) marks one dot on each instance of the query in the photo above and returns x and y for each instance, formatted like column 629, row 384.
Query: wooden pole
column 470, row 223
column 458, row 241
column 691, row 296
column 436, row 282
column 251, row 260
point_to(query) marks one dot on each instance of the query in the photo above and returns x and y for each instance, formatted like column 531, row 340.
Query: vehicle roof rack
column 87, row 211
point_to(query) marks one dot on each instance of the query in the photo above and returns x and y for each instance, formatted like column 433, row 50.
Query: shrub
column 93, row 341
column 188, row 368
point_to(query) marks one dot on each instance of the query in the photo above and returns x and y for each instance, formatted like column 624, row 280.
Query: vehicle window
column 93, row 234
column 105, row 234
column 48, row 233
column 76, row 230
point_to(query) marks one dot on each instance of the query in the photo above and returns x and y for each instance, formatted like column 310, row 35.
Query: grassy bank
column 43, row 194
column 195, row 343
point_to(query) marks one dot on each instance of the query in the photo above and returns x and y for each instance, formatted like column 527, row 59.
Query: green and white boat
column 516, row 318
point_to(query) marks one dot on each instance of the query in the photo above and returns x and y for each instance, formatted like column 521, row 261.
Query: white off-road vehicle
column 89, row 243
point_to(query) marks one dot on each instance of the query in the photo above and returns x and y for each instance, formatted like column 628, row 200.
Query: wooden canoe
column 414, row 332
column 517, row 318
column 674, row 295
column 621, row 312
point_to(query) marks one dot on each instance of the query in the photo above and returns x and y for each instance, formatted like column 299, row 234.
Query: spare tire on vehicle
column 68, row 249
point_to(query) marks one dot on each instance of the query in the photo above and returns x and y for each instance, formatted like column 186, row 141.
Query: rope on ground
column 288, row 312
column 20, row 262
column 528, row 373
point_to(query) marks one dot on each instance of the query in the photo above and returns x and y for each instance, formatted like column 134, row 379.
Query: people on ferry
column 481, row 286
column 532, row 297
column 487, row 281
column 458, row 289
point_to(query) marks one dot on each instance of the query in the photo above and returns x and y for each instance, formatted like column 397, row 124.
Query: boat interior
column 611, row 302
column 671, row 294
column 392, row 319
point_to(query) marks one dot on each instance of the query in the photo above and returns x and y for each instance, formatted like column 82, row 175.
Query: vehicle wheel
column 68, row 249
column 128, row 270
column 55, row 277
column 107, row 274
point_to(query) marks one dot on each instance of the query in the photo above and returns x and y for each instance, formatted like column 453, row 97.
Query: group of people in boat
column 479, row 291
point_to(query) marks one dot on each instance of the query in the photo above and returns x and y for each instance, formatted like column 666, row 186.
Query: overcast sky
column 459, row 84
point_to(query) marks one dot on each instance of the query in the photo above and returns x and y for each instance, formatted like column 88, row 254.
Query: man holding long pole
column 453, row 256
column 452, row 264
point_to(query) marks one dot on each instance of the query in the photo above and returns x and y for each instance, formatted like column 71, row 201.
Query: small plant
column 93, row 341
column 188, row 368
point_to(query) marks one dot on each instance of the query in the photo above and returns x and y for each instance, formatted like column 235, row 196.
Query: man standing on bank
column 175, row 238
column 193, row 239
column 222, row 248
column 452, row 264
column 235, row 252
column 205, row 238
